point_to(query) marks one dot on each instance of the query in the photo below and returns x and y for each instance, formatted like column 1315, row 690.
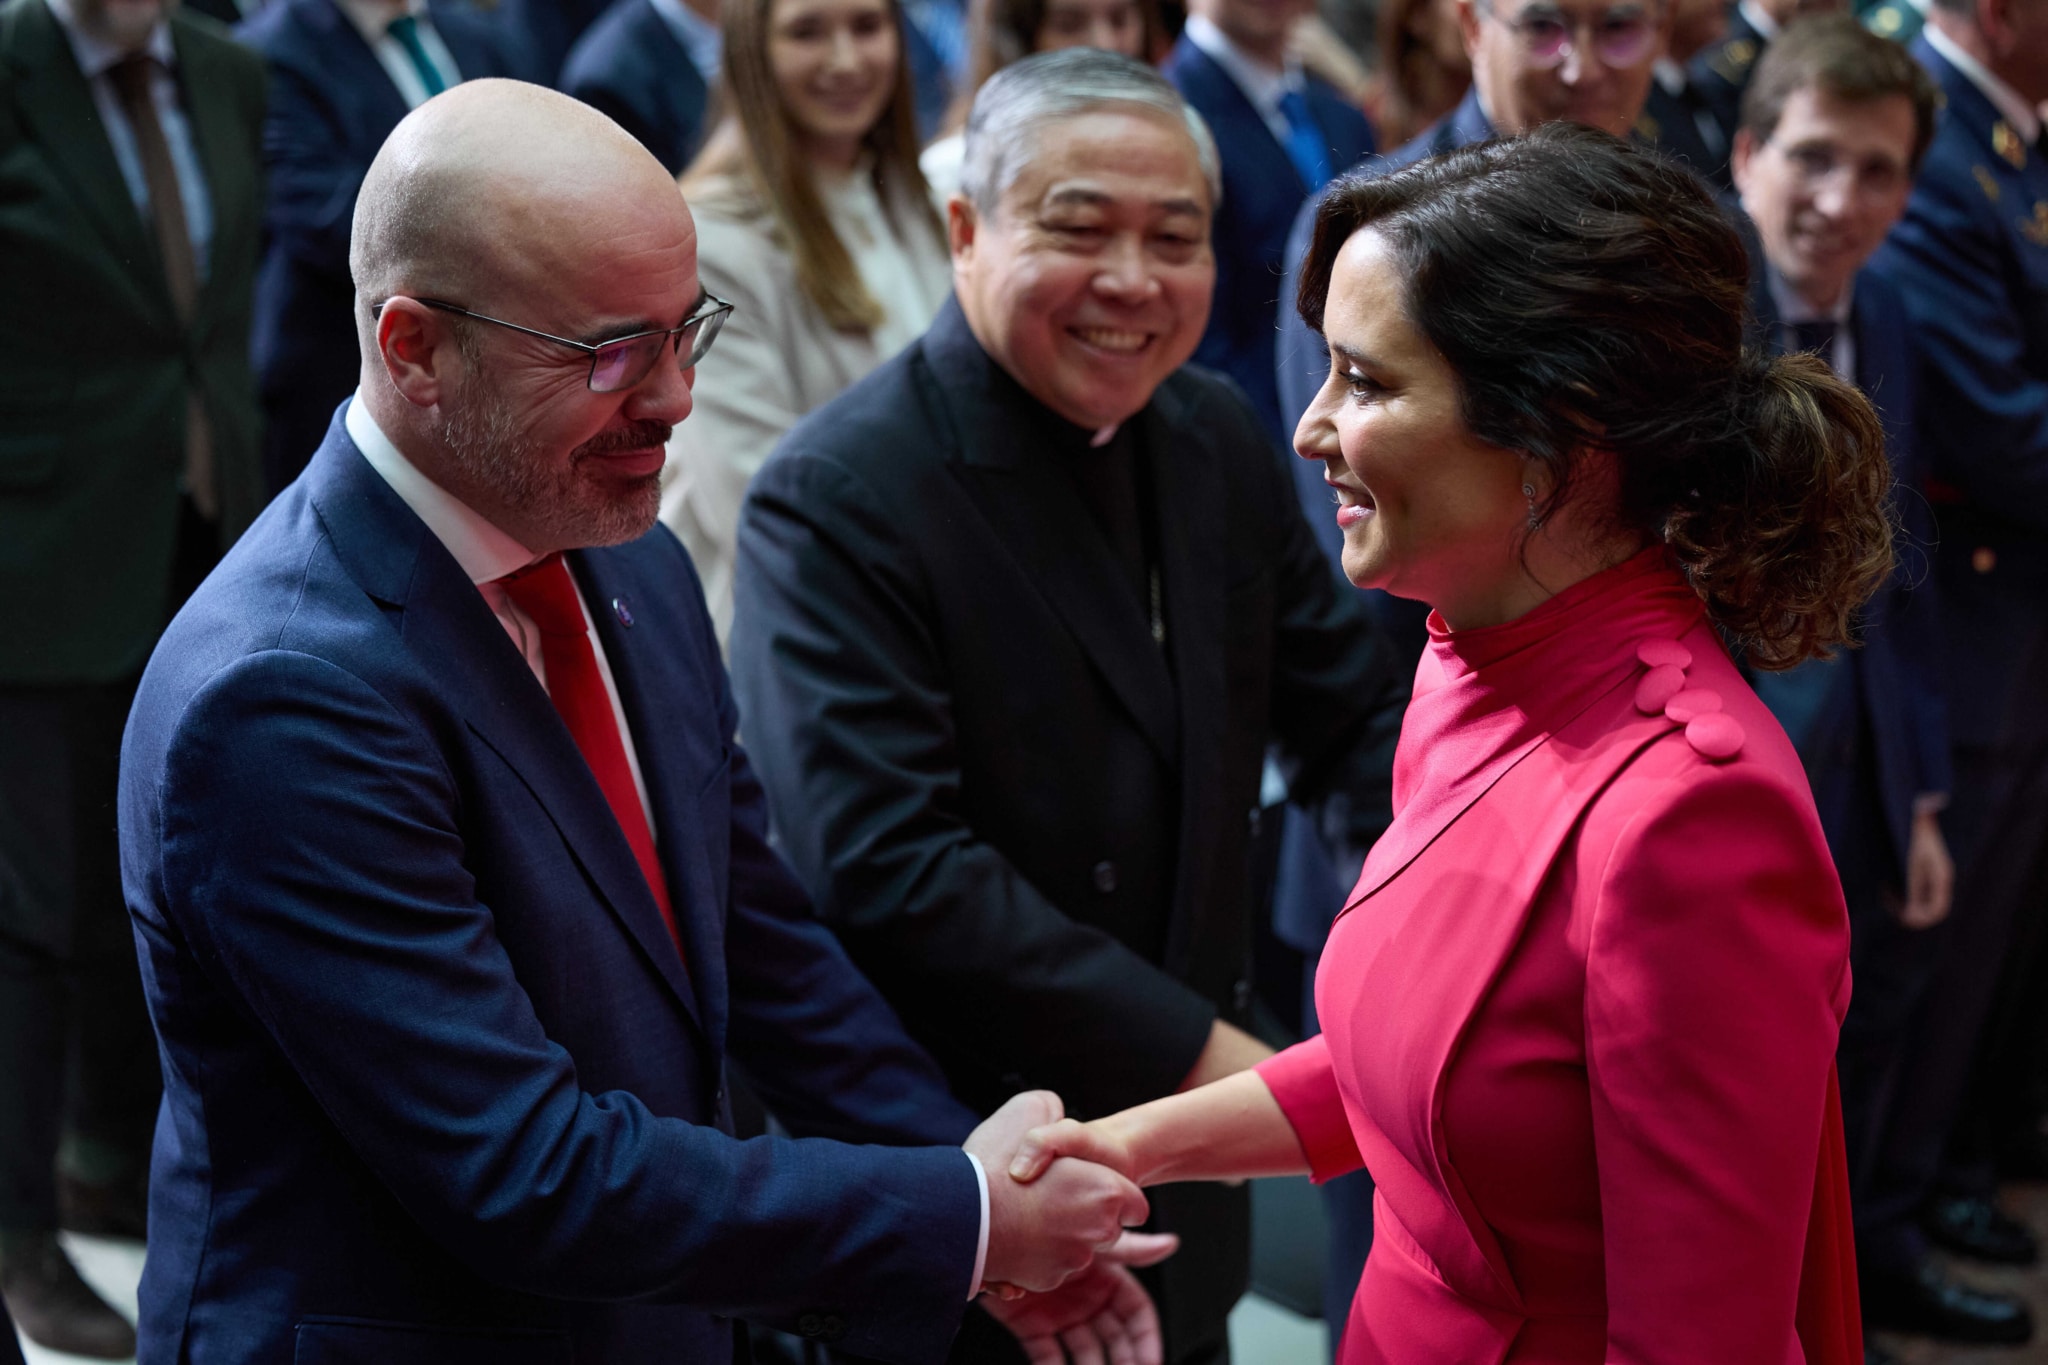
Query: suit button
column 1984, row 559
column 1105, row 876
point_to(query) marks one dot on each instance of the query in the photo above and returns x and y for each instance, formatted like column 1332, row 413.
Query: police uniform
column 1720, row 74
column 1970, row 258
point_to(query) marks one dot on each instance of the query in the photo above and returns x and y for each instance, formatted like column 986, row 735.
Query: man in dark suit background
column 1970, row 257
column 1835, row 124
column 1675, row 118
column 1016, row 619
column 651, row 65
column 130, row 195
column 454, row 890
column 1280, row 134
column 342, row 74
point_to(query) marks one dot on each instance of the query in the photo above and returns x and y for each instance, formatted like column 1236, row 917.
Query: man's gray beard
column 486, row 441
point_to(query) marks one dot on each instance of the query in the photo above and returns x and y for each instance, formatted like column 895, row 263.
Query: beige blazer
column 776, row 360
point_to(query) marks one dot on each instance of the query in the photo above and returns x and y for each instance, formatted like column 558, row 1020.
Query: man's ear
column 1738, row 158
column 417, row 346
column 1468, row 27
column 960, row 226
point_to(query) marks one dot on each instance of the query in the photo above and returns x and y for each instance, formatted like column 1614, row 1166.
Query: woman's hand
column 1094, row 1142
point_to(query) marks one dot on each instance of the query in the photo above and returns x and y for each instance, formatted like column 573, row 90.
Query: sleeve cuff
column 981, row 1246
column 1305, row 1088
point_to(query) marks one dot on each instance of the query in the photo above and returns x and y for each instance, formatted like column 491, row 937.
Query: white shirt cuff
column 981, row 1246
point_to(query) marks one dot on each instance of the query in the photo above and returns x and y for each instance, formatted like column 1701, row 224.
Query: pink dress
column 1581, row 1010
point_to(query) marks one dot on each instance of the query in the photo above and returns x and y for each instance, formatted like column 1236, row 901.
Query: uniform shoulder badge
column 2035, row 229
column 1647, row 128
column 1986, row 181
column 1887, row 21
column 1733, row 59
column 2007, row 144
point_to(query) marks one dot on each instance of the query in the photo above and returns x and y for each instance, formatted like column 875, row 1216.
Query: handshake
column 1059, row 1255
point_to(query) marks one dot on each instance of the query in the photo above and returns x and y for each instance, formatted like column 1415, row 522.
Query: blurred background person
column 1003, row 31
column 1720, row 73
column 1676, row 119
column 1835, row 124
column 342, row 74
column 540, row 33
column 1424, row 71
column 1281, row 133
column 1970, row 257
column 131, row 195
column 814, row 220
column 651, row 65
column 1018, row 617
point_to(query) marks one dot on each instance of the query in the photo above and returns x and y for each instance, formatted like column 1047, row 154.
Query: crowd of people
column 998, row 513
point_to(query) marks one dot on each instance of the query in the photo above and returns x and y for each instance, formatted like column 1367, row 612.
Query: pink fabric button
column 1715, row 734
column 1659, row 685
column 1694, row 701
column 1657, row 653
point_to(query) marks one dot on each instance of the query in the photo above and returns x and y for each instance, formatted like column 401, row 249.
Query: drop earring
column 1535, row 519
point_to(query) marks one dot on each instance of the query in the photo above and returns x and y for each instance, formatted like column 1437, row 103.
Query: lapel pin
column 623, row 612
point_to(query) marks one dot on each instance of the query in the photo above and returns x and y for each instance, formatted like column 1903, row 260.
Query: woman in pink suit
column 1580, row 1012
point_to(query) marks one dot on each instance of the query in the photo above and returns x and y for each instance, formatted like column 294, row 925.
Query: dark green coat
column 95, row 363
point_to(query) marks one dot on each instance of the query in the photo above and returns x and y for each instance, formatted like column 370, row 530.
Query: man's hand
column 1102, row 1316
column 1930, row 874
column 1042, row 1233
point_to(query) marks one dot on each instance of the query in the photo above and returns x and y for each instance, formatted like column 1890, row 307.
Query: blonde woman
column 812, row 217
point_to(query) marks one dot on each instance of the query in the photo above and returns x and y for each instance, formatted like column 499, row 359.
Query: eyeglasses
column 624, row 361
column 1620, row 36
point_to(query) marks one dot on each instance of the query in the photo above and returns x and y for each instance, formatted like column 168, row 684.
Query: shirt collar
column 1263, row 85
column 2011, row 105
column 373, row 19
column 1764, row 24
column 483, row 551
column 1670, row 75
column 702, row 41
column 97, row 57
column 1792, row 308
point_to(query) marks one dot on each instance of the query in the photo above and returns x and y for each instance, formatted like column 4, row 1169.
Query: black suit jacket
column 1681, row 125
column 96, row 363
column 629, row 65
column 1027, row 821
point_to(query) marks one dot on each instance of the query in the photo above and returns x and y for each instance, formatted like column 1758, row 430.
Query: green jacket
column 95, row 363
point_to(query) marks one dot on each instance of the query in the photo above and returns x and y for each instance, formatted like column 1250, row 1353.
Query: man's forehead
column 1814, row 113
column 1110, row 158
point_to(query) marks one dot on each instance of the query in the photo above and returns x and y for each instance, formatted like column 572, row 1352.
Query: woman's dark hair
column 1000, row 32
column 1591, row 296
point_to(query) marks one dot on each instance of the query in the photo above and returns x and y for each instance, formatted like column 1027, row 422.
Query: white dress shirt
column 1263, row 85
column 95, row 60
column 703, row 42
column 487, row 554
column 373, row 19
column 1792, row 309
column 2011, row 105
column 1760, row 20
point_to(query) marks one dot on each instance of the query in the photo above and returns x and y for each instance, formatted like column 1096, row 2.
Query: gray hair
column 1018, row 102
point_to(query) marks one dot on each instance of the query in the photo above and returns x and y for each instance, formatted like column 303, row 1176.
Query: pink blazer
column 1581, row 1010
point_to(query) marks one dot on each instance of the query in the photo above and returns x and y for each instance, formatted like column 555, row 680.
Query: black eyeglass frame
column 708, row 321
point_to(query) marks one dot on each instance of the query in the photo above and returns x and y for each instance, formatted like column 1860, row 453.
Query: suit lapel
column 1002, row 434
column 53, row 100
column 341, row 43
column 217, row 129
column 458, row 640
column 643, row 663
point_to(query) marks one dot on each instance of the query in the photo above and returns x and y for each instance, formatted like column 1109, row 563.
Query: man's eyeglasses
column 624, row 361
column 1620, row 36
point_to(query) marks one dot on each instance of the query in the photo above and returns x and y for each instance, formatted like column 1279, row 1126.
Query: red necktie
column 547, row 594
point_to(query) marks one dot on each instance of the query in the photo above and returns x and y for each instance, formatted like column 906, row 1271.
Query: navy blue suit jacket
column 438, row 1086
column 1680, row 124
column 1886, row 694
column 1970, row 258
column 630, row 65
column 331, row 107
column 1261, row 192
column 1720, row 74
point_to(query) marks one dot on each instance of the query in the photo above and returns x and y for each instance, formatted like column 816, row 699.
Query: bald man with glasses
column 453, row 887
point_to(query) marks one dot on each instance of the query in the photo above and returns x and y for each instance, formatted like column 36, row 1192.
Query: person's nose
column 1315, row 435
column 1102, row 33
column 665, row 395
column 1123, row 272
column 842, row 54
column 1831, row 196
